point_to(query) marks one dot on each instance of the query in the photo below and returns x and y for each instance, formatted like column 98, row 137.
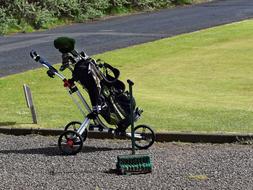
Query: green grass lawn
column 201, row 81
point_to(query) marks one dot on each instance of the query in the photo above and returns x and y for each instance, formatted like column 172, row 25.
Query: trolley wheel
column 70, row 142
column 74, row 126
column 144, row 136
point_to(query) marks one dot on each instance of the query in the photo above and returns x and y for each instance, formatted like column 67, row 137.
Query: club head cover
column 64, row 44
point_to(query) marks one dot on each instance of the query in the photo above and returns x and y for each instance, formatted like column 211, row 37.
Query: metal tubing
column 83, row 126
column 131, row 115
column 59, row 75
column 83, row 101
column 77, row 103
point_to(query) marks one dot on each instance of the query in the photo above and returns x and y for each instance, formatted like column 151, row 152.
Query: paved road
column 119, row 32
column 34, row 162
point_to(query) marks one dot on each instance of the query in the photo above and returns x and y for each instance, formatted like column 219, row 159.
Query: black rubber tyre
column 74, row 126
column 144, row 136
column 70, row 143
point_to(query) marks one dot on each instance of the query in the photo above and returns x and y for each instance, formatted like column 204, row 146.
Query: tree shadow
column 54, row 150
column 7, row 123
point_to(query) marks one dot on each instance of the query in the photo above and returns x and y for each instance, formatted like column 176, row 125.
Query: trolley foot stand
column 133, row 164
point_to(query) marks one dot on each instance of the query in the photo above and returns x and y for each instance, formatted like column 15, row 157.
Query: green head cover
column 64, row 44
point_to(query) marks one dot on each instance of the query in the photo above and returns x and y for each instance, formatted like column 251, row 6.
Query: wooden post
column 29, row 102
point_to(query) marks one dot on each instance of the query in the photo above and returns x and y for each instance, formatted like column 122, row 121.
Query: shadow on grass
column 54, row 150
column 7, row 123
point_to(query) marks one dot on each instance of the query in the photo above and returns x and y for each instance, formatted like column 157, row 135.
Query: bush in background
column 25, row 15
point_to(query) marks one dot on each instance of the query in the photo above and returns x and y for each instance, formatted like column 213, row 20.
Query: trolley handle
column 45, row 63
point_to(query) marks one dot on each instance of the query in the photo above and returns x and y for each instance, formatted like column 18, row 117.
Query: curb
column 160, row 137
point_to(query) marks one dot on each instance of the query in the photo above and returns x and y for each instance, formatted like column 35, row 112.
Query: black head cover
column 64, row 44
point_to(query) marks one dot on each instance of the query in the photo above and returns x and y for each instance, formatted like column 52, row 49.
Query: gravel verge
column 34, row 162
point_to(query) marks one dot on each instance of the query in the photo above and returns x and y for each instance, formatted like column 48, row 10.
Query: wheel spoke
column 144, row 136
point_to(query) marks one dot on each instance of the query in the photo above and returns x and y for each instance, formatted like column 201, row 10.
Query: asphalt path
column 118, row 32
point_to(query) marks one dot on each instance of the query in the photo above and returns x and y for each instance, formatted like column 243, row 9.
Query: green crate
column 133, row 164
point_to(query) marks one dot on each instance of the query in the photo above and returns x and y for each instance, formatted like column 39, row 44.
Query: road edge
column 160, row 137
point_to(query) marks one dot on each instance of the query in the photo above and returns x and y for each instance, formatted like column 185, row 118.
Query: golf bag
column 106, row 91
column 101, row 82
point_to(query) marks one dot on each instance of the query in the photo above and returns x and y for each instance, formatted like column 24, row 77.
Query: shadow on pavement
column 54, row 150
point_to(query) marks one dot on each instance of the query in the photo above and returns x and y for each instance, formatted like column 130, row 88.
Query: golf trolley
column 75, row 133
